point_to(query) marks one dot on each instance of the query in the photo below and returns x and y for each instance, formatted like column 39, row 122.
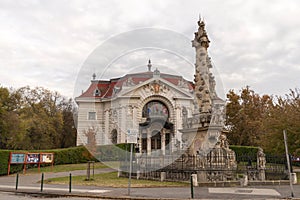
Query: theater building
column 147, row 104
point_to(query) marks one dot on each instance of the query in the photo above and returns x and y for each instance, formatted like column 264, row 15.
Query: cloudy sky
column 47, row 43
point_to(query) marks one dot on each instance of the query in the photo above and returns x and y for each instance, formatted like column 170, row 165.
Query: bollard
column 294, row 178
column 88, row 171
column 70, row 183
column 195, row 180
column 42, row 182
column 192, row 188
column 93, row 170
column 162, row 176
column 17, row 181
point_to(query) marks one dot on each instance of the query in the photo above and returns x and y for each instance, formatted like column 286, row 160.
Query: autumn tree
column 9, row 123
column 35, row 119
column 244, row 114
column 69, row 133
column 283, row 115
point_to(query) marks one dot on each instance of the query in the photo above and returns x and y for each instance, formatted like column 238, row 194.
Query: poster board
column 17, row 158
column 30, row 158
column 47, row 158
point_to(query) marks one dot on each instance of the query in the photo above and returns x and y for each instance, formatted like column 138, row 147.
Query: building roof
column 107, row 88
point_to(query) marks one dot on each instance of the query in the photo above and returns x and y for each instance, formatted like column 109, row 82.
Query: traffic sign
column 132, row 135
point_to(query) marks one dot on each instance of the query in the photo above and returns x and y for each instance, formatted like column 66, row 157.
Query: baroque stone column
column 148, row 142
column 123, row 124
column 107, row 135
column 134, row 117
column 163, row 141
column 204, row 81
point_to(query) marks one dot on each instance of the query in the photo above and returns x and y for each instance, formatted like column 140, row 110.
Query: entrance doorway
column 155, row 137
column 155, row 140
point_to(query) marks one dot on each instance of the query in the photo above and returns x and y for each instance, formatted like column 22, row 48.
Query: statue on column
column 261, row 164
column 261, row 159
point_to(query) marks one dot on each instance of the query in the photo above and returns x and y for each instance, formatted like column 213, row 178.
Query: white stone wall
column 84, row 123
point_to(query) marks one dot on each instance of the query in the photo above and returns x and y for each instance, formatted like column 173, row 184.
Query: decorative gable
column 156, row 86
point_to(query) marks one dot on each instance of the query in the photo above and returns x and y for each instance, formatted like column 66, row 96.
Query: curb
column 57, row 194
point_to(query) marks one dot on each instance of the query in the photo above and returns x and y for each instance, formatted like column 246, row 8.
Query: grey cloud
column 253, row 43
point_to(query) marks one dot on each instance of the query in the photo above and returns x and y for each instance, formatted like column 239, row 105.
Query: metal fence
column 275, row 168
column 215, row 167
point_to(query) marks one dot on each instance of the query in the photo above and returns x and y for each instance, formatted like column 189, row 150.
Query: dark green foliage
column 245, row 153
column 244, row 150
column 72, row 155
column 4, row 158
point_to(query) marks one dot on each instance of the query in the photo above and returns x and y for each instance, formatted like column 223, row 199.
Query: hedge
column 72, row 155
column 4, row 158
column 116, row 152
column 244, row 150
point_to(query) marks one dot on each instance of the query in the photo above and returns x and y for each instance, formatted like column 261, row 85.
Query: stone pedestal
column 202, row 177
column 261, row 175
column 244, row 181
column 195, row 180
column 138, row 175
column 162, row 176
column 294, row 178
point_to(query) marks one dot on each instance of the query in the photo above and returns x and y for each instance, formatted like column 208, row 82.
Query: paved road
column 28, row 184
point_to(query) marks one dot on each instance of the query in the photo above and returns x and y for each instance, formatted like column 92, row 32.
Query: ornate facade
column 149, row 104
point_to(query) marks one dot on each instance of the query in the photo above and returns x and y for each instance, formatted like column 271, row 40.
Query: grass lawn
column 68, row 167
column 111, row 180
column 298, row 177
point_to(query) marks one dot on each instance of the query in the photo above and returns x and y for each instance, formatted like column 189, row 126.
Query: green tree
column 69, row 133
column 9, row 119
column 4, row 96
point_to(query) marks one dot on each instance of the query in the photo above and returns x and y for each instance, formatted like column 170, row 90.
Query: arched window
column 114, row 136
column 155, row 109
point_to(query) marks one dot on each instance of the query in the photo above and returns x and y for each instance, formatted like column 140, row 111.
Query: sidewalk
column 29, row 184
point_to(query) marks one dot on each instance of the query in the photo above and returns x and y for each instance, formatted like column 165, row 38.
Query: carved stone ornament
column 156, row 87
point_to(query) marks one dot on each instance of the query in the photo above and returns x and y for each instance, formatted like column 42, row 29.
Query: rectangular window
column 167, row 141
column 144, row 144
column 92, row 116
